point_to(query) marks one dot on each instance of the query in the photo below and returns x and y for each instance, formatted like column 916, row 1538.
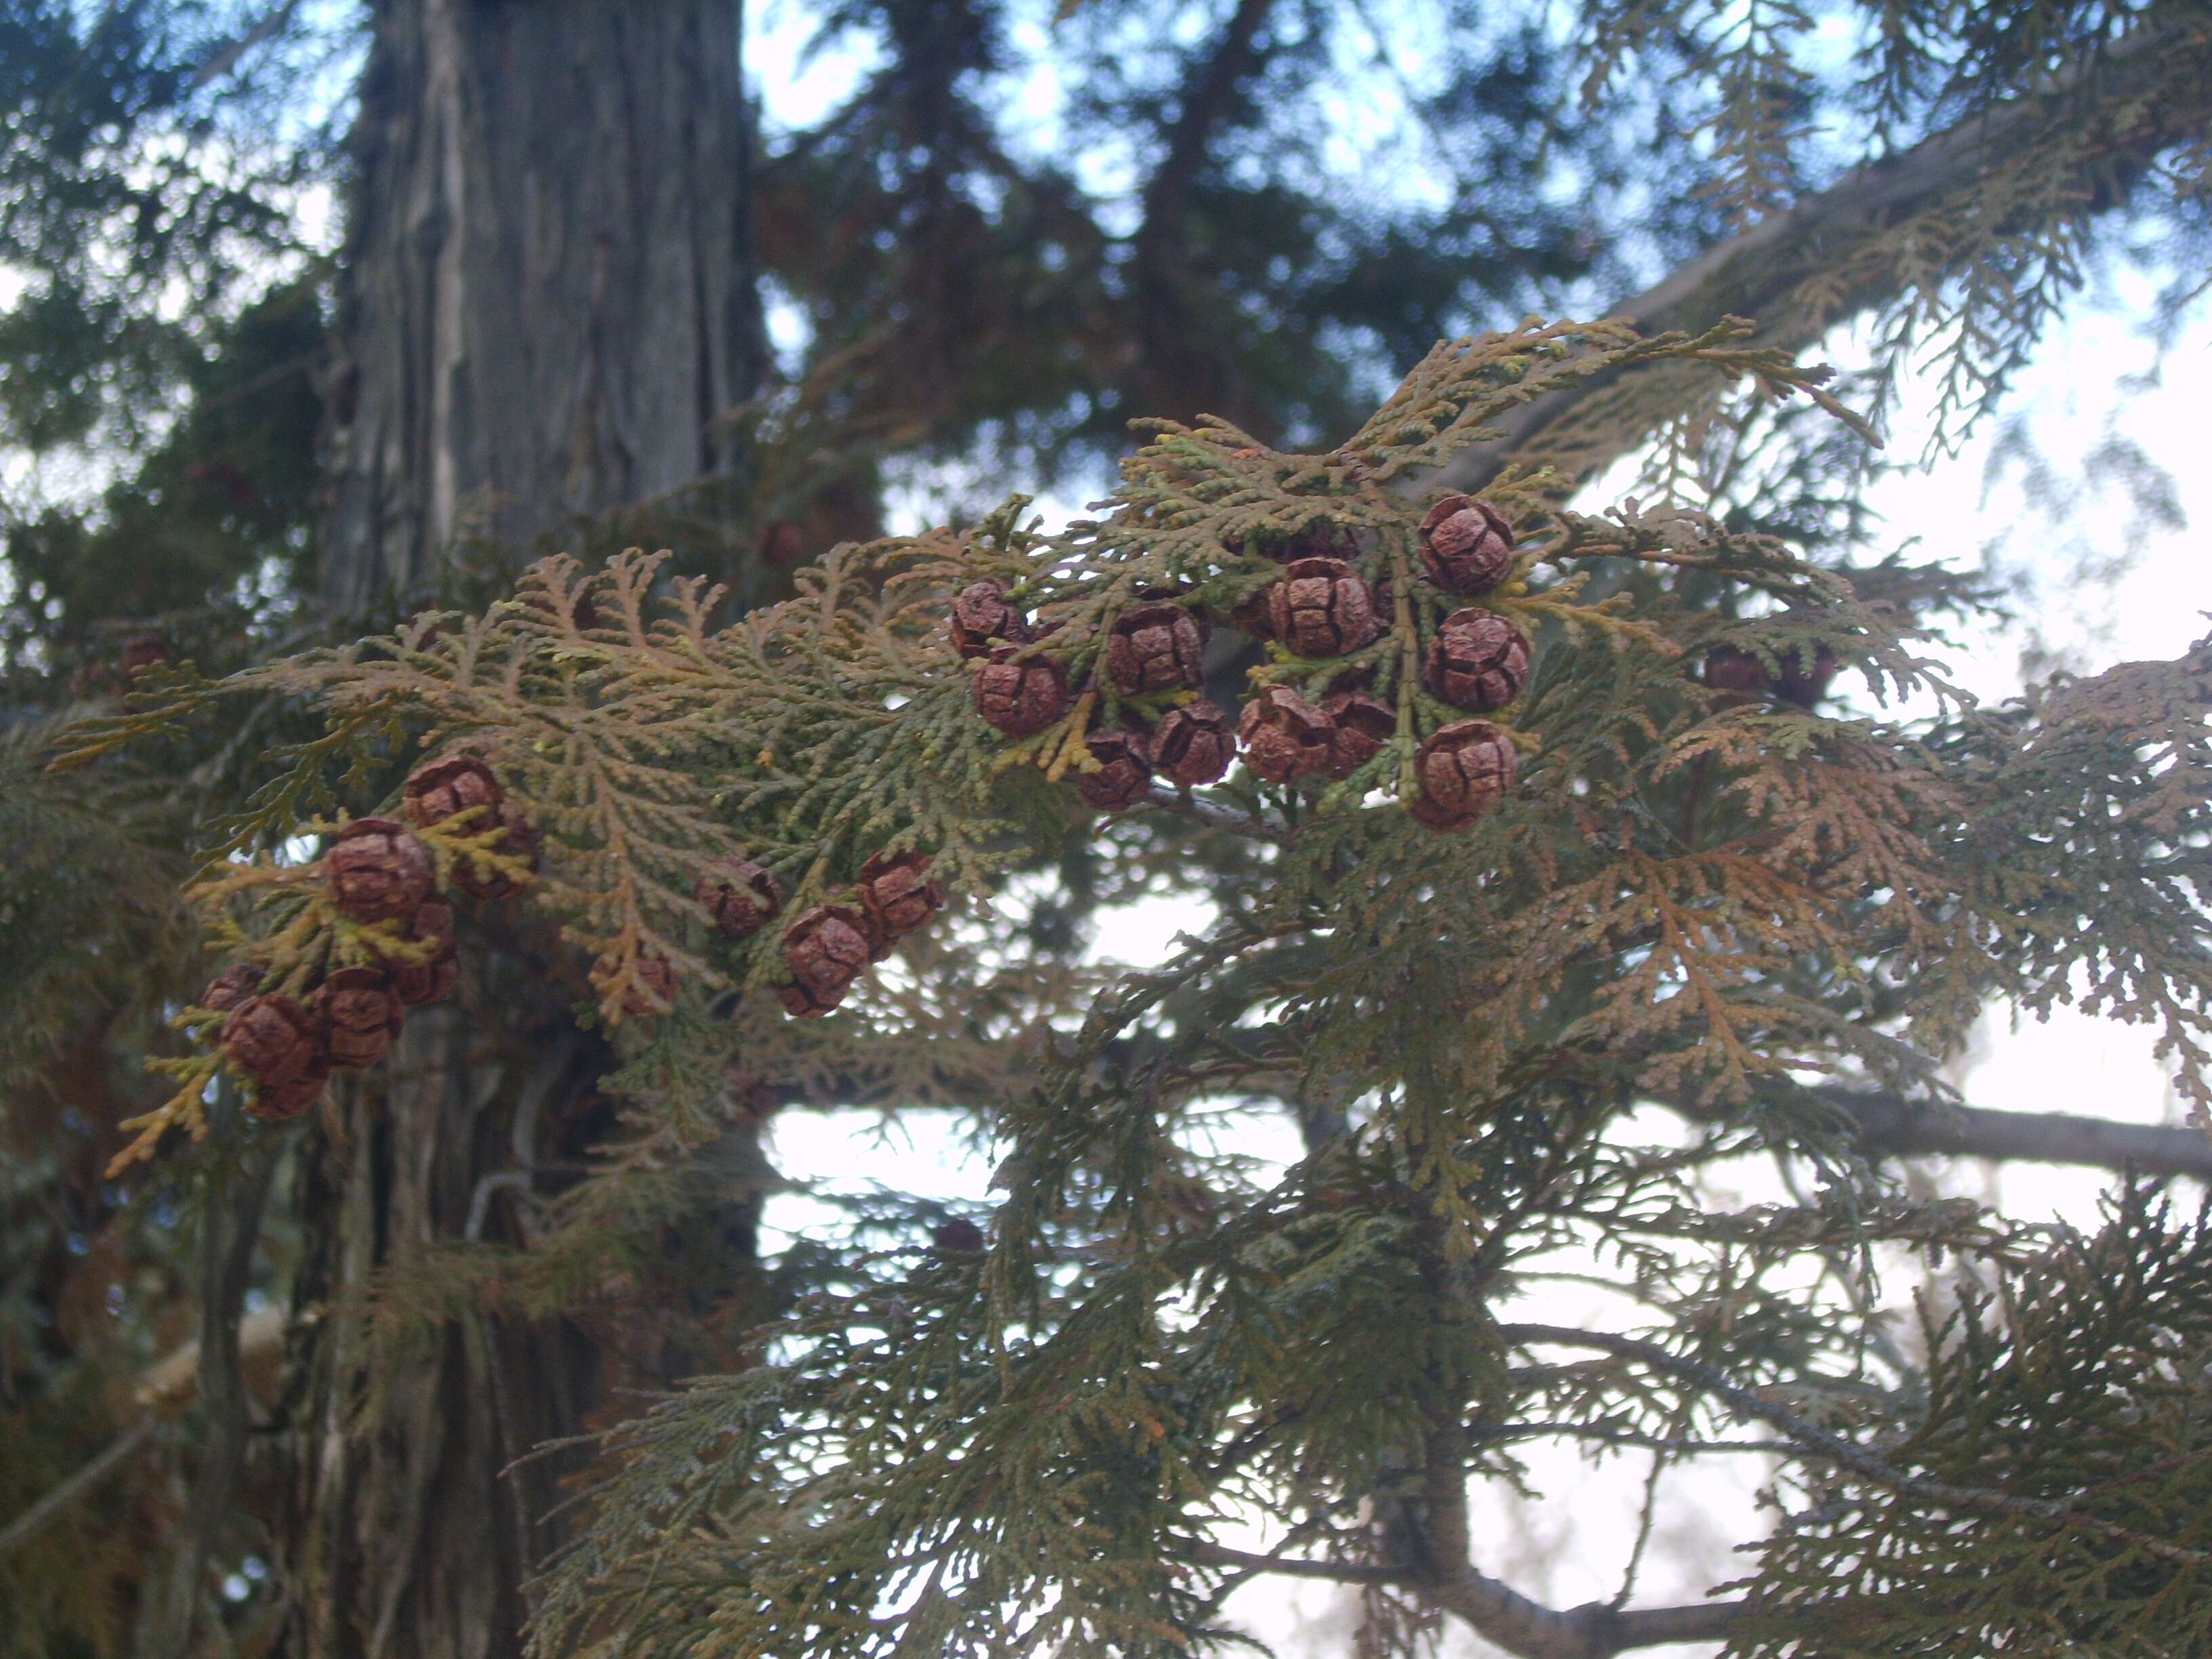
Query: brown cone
column 271, row 1039
column 1254, row 614
column 377, row 870
column 1020, row 698
column 1479, row 661
column 1464, row 769
column 959, row 1237
column 1286, row 738
column 739, row 896
column 980, row 614
column 1740, row 674
column 1155, row 647
column 231, row 987
column 899, row 894
column 1322, row 541
column 278, row 1103
column 1466, row 545
column 1193, row 744
column 1124, row 777
column 438, row 790
column 1364, row 725
column 826, row 948
column 362, row 1014
column 1804, row 686
column 1737, row 673
column 1321, row 608
column 753, row 1097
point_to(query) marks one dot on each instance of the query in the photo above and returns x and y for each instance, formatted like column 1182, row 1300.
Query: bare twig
column 167, row 1387
column 1896, row 1128
column 34, row 1520
column 272, row 23
column 1846, row 1454
column 1251, row 827
column 1501, row 1614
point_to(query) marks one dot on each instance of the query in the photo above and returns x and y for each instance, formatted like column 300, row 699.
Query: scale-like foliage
column 2073, row 1397
column 1697, row 894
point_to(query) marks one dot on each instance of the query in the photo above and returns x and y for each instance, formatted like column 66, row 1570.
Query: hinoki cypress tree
column 559, row 239
column 1542, row 813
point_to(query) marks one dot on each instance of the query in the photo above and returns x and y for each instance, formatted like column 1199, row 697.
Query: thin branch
column 1501, row 1614
column 1896, row 1128
column 272, row 23
column 34, row 1520
column 1890, row 1125
column 164, row 1389
column 1847, row 1454
column 1208, row 98
column 1292, row 1566
column 1250, row 826
column 1760, row 272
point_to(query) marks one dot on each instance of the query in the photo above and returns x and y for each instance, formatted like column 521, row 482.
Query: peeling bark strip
column 548, row 294
column 548, row 302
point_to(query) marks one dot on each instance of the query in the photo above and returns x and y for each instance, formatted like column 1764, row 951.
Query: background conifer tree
column 324, row 469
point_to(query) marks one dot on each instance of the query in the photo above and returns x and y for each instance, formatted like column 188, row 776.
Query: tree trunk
column 548, row 301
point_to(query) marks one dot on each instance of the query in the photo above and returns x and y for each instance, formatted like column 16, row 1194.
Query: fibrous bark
column 547, row 304
column 548, row 301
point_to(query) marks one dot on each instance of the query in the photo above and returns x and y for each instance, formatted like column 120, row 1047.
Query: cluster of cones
column 1320, row 607
column 377, row 872
column 826, row 948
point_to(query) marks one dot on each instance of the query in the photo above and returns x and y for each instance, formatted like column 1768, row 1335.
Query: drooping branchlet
column 648, row 990
column 432, row 978
column 519, row 840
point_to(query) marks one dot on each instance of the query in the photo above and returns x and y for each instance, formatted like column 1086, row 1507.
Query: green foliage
column 65, row 1595
column 93, row 861
column 2071, row 1392
column 1701, row 899
column 1692, row 900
